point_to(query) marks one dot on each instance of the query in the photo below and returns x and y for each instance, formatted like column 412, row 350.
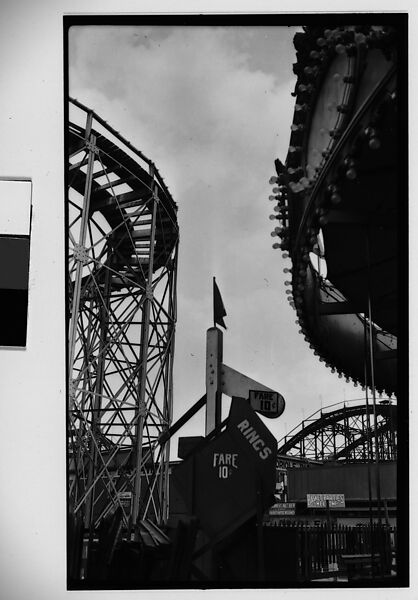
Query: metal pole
column 214, row 338
column 168, row 409
column 142, row 410
column 75, row 306
column 369, row 444
column 95, row 417
column 82, row 239
column 371, row 358
column 260, row 537
column 98, row 392
column 328, row 513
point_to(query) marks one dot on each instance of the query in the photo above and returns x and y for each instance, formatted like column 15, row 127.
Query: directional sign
column 320, row 500
column 266, row 403
column 236, row 384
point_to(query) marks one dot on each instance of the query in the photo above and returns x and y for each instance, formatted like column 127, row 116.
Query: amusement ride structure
column 122, row 251
column 338, row 199
column 344, row 432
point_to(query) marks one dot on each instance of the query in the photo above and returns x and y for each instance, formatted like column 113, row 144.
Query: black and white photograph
column 204, row 279
column 234, row 201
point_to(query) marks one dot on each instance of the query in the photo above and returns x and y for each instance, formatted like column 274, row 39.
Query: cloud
column 190, row 95
column 212, row 107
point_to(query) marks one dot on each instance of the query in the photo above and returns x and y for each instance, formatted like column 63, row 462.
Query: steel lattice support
column 345, row 434
column 122, row 241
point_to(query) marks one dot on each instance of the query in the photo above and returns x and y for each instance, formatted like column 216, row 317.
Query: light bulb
column 374, row 143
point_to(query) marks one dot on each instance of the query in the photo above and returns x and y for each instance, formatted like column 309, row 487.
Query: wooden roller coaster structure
column 122, row 263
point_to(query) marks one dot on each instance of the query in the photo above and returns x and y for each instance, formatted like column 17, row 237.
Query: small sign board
column 285, row 505
column 267, row 403
column 125, row 499
column 282, row 512
column 320, row 500
column 282, row 509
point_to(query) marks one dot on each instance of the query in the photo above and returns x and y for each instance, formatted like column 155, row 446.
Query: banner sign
column 254, row 437
column 226, row 478
column 320, row 500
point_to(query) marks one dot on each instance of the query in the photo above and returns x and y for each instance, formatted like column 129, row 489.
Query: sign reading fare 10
column 225, row 462
column 265, row 402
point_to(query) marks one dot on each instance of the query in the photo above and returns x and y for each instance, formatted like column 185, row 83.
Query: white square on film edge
column 15, row 202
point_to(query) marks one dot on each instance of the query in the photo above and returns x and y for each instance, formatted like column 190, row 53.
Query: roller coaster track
column 344, row 434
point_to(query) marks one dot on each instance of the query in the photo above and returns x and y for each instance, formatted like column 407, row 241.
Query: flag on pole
column 219, row 311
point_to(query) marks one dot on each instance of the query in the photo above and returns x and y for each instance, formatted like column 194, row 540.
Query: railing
column 323, row 551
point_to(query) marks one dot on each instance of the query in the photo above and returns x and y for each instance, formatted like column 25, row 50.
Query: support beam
column 214, row 346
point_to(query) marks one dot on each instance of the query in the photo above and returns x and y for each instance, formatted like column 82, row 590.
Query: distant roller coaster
column 122, row 242
column 347, row 434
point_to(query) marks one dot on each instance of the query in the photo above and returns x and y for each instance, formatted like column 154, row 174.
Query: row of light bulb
column 349, row 39
column 274, row 180
column 304, row 182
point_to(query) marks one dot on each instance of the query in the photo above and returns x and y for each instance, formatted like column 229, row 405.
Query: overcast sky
column 211, row 106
